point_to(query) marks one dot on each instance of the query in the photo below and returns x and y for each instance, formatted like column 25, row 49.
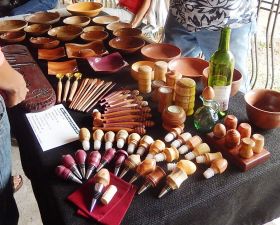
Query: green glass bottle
column 221, row 67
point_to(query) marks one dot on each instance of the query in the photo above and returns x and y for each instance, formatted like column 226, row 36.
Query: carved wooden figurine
column 69, row 162
column 207, row 158
column 97, row 137
column 106, row 158
column 199, row 150
column 121, row 138
column 133, row 140
column 80, row 158
column 84, row 136
column 157, row 147
column 246, row 148
column 182, row 139
column 66, row 174
column 217, row 166
column 130, row 163
column 92, row 162
column 144, row 144
column 143, row 169
column 109, row 138
column 173, row 134
column 190, row 144
column 168, row 155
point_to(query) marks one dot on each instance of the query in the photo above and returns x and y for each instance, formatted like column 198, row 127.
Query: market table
column 234, row 197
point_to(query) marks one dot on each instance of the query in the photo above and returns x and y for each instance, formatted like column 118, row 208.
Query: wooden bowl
column 44, row 42
column 105, row 20
column 188, row 67
column 65, row 33
column 69, row 66
column 263, row 108
column 12, row 25
column 94, row 35
column 161, row 52
column 90, row 9
column 135, row 66
column 236, row 80
column 91, row 49
column 37, row 29
column 51, row 54
column 107, row 64
column 128, row 32
column 80, row 21
column 93, row 28
column 117, row 25
column 13, row 37
column 127, row 44
column 43, row 17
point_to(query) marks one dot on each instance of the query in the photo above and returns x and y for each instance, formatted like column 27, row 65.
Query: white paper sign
column 53, row 127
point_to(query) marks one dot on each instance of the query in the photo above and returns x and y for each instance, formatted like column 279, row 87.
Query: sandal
column 17, row 182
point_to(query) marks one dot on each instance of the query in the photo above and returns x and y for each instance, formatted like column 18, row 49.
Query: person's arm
column 12, row 83
column 138, row 17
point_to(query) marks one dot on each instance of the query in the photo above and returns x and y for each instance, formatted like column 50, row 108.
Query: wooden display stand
column 232, row 154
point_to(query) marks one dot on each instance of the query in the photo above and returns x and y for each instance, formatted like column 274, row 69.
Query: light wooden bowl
column 43, row 17
column 12, row 25
column 69, row 66
column 117, row 25
column 37, row 29
column 51, row 54
column 93, row 28
column 94, row 35
column 105, row 20
column 128, row 32
column 65, row 33
column 80, row 21
column 90, row 9
column 127, row 44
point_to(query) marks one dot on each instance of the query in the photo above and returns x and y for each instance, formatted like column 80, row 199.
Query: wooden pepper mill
column 101, row 180
column 106, row 158
column 178, row 176
column 199, row 150
column 155, row 148
column 92, row 162
column 84, row 136
column 182, row 139
column 217, row 166
column 120, row 156
column 109, row 138
column 144, row 144
column 190, row 144
column 97, row 138
column 168, row 155
column 80, row 158
column 174, row 133
column 144, row 168
column 152, row 179
column 133, row 140
column 130, row 163
column 207, row 158
column 121, row 138
column 246, row 148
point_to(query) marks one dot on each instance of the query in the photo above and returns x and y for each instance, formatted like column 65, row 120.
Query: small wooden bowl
column 65, row 33
column 93, row 28
column 90, row 9
column 44, row 42
column 127, row 32
column 94, row 35
column 117, row 25
column 263, row 108
column 43, row 17
column 161, row 52
column 80, row 21
column 12, row 25
column 135, row 66
column 105, row 20
column 127, row 44
column 69, row 66
column 13, row 37
column 51, row 54
column 91, row 49
column 189, row 67
column 37, row 29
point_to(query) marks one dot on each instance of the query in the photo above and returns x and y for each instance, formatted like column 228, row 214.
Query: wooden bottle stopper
column 156, row 84
column 102, row 177
column 208, row 93
column 182, row 139
column 218, row 166
column 174, row 132
column 219, row 130
column 121, row 137
column 199, row 150
column 144, row 144
column 207, row 158
column 190, row 144
column 160, row 70
column 165, row 96
column 245, row 130
column 84, row 136
column 130, row 163
column 97, row 137
column 172, row 77
column 144, row 168
column 232, row 138
column 155, row 148
column 168, row 154
column 173, row 116
column 109, row 138
column 133, row 140
column 246, row 148
column 259, row 143
column 109, row 194
column 230, row 122
column 145, row 79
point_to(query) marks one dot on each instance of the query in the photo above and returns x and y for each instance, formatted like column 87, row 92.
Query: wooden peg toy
column 219, row 130
column 232, row 138
column 84, row 136
column 144, row 144
column 168, row 155
column 199, row 150
column 217, row 166
column 59, row 76
column 230, row 122
column 74, row 86
column 97, row 138
column 207, row 158
column 245, row 130
column 133, row 140
column 259, row 143
column 130, row 164
column 157, row 147
column 145, row 167
column 67, row 86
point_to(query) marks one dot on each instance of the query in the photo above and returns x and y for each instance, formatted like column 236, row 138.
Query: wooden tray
column 232, row 154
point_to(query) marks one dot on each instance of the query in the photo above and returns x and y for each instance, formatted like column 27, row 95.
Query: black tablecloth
column 231, row 198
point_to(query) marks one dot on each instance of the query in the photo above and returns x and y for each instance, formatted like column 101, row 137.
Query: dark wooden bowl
column 44, row 42
column 13, row 37
column 96, row 35
column 37, row 29
column 128, row 32
column 43, row 17
column 127, row 44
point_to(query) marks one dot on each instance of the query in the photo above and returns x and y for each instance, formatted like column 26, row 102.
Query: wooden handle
column 59, row 91
column 73, row 90
column 66, row 90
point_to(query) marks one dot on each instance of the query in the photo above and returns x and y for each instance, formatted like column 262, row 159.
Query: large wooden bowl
column 13, row 37
column 43, row 17
column 65, row 33
column 105, row 20
column 44, row 42
column 93, row 28
column 12, row 25
column 127, row 32
column 127, row 44
column 51, row 54
column 80, row 21
column 37, row 29
column 90, row 9
column 117, row 25
column 96, row 35
column 161, row 52
column 263, row 108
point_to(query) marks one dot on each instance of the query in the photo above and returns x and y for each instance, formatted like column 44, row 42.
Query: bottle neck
column 225, row 39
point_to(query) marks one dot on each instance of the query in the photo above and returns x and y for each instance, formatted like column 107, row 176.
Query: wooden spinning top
column 199, row 150
column 217, row 166
column 144, row 144
column 168, row 154
column 144, row 168
column 207, row 158
column 121, row 138
column 130, row 163
column 97, row 137
column 109, row 138
column 84, row 136
column 173, row 134
column 133, row 140
column 155, row 148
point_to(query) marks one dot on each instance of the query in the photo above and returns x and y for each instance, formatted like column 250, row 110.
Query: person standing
column 194, row 26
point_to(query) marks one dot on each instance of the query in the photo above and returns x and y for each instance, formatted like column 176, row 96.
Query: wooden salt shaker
column 160, row 70
column 145, row 79
column 246, row 148
column 259, row 143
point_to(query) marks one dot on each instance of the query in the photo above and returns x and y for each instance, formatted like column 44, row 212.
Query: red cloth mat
column 111, row 214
